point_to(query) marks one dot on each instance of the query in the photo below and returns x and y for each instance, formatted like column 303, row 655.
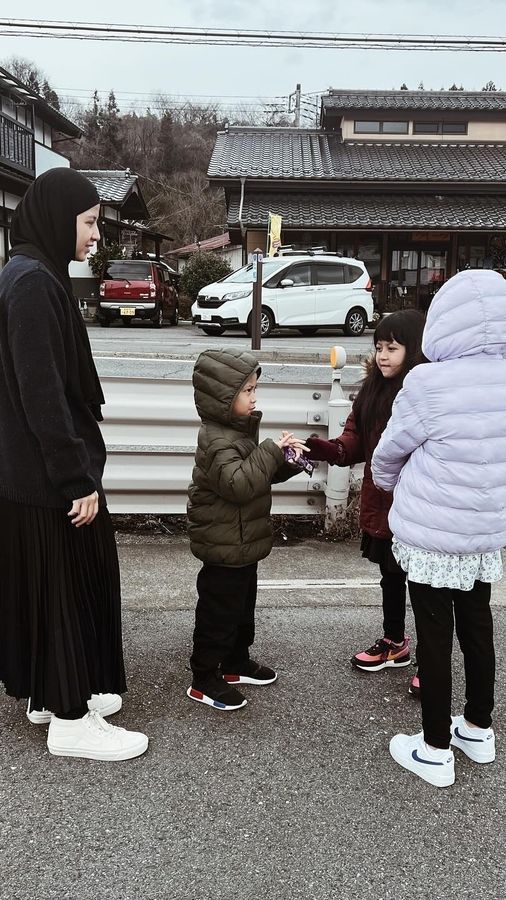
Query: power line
column 243, row 37
column 156, row 94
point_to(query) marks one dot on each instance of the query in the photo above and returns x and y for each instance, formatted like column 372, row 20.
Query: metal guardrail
column 150, row 430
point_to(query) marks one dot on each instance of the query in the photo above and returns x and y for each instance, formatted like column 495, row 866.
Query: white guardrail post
column 338, row 479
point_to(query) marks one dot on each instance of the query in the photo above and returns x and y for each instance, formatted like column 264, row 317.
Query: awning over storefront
column 371, row 211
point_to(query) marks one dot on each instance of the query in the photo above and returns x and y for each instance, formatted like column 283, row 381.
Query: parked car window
column 130, row 269
column 300, row 275
column 245, row 275
column 330, row 273
column 353, row 273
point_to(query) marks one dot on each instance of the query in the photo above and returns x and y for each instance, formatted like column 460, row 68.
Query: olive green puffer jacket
column 230, row 492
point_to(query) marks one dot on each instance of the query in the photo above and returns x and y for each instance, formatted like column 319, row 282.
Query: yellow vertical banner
column 273, row 233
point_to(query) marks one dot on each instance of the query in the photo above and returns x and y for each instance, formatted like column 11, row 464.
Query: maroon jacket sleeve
column 346, row 450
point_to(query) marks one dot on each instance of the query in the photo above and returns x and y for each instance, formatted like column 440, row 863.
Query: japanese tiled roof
column 299, row 154
column 219, row 242
column 48, row 113
column 112, row 186
column 388, row 210
column 447, row 101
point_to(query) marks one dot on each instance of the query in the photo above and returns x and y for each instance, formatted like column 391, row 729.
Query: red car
column 138, row 289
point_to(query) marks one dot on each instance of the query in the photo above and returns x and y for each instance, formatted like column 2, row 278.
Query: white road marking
column 297, row 584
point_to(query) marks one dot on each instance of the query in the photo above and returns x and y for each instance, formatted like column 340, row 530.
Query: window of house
column 454, row 127
column 395, row 127
column 8, row 107
column 440, row 127
column 426, row 127
column 392, row 127
column 367, row 127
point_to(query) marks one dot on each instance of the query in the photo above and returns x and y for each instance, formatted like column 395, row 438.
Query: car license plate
column 127, row 311
column 206, row 317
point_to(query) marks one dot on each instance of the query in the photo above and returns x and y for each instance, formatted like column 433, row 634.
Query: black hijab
column 44, row 228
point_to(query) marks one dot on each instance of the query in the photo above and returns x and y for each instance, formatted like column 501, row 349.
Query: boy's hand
column 288, row 439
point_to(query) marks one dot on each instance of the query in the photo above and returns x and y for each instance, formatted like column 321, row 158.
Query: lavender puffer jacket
column 443, row 452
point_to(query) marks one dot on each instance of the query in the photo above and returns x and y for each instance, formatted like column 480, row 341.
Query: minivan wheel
column 218, row 329
column 158, row 320
column 266, row 322
column 355, row 322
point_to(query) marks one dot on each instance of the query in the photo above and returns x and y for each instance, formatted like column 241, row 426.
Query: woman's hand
column 288, row 439
column 84, row 510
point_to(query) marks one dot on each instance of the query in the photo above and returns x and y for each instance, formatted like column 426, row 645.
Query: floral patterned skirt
column 442, row 570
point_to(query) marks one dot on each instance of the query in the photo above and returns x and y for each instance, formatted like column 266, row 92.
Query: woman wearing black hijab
column 60, row 634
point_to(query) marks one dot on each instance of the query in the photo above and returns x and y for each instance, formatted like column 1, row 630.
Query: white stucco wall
column 47, row 159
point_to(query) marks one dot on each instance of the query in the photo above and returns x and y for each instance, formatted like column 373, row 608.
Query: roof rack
column 288, row 250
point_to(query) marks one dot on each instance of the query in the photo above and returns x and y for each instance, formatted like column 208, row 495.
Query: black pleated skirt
column 60, row 607
column 379, row 551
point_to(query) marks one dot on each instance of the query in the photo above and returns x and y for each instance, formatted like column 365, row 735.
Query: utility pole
column 256, row 311
column 295, row 106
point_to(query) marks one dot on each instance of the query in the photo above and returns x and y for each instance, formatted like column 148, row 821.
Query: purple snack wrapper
column 302, row 462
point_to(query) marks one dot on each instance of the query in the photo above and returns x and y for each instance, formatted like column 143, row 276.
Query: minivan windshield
column 245, row 275
column 126, row 269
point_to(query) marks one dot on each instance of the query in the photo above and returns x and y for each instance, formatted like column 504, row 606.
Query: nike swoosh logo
column 428, row 762
column 462, row 737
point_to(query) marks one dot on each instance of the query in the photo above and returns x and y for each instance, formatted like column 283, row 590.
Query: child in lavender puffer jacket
column 443, row 454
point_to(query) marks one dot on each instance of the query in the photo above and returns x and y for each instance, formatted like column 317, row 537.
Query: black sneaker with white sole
column 251, row 673
column 216, row 692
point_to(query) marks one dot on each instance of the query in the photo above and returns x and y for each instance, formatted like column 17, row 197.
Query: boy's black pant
column 393, row 587
column 434, row 610
column 224, row 620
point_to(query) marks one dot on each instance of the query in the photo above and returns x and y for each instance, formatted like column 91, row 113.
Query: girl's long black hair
column 373, row 405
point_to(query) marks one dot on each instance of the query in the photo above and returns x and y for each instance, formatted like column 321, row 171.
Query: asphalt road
column 144, row 352
column 294, row 796
column 186, row 341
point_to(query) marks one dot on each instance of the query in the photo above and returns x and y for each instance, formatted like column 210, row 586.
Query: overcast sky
column 128, row 68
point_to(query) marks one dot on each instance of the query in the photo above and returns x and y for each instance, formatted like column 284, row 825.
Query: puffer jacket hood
column 218, row 377
column 476, row 300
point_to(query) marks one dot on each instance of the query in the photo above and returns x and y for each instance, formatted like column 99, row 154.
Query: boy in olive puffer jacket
column 229, row 524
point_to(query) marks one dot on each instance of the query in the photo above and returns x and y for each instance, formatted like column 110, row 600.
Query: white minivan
column 299, row 290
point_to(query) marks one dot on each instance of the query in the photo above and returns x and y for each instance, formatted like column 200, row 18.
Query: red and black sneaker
column 383, row 654
column 251, row 673
column 414, row 686
column 216, row 692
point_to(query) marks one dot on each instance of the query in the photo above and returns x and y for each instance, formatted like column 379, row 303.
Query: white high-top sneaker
column 105, row 704
column 93, row 738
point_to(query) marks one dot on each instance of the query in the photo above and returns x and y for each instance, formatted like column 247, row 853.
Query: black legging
column 434, row 610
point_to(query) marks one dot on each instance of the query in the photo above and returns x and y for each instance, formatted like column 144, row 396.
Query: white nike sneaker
column 105, row 704
column 93, row 738
column 433, row 765
column 477, row 743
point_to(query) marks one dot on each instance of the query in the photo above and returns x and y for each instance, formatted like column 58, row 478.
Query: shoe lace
column 380, row 646
column 97, row 723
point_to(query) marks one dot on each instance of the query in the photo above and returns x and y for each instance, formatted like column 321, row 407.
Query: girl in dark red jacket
column 397, row 340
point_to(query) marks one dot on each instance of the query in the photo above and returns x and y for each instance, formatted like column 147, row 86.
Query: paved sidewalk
column 295, row 796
